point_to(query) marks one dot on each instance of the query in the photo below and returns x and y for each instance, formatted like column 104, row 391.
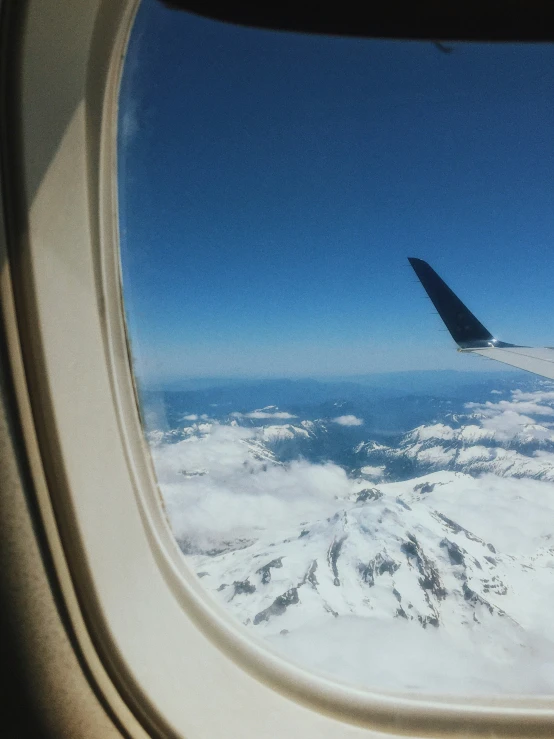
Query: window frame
column 140, row 615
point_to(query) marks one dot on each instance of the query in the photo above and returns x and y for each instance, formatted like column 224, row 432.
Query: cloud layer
column 224, row 486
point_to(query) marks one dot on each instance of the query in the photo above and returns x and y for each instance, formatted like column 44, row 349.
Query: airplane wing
column 470, row 334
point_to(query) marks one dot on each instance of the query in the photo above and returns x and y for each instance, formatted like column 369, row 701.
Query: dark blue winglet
column 466, row 330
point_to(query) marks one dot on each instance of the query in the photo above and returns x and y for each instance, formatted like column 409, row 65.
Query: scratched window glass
column 310, row 228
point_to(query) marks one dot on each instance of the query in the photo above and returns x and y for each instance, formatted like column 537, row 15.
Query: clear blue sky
column 273, row 185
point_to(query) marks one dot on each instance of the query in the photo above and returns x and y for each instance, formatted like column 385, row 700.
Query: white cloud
column 397, row 655
column 190, row 417
column 508, row 418
column 348, row 421
column 519, row 406
column 538, row 397
column 244, row 490
column 506, row 425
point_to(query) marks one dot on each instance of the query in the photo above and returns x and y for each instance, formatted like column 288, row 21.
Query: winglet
column 466, row 330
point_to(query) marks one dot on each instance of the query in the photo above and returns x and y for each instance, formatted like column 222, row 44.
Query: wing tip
column 466, row 330
column 420, row 265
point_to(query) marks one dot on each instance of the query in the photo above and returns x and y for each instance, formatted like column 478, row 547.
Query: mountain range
column 417, row 559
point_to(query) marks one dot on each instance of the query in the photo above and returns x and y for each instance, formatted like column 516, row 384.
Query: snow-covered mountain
column 509, row 438
column 432, row 553
column 428, row 565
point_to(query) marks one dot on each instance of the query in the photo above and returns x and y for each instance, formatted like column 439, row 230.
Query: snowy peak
column 391, row 554
column 284, row 432
column 497, row 437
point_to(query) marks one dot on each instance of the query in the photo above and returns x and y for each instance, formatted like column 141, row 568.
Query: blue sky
column 273, row 185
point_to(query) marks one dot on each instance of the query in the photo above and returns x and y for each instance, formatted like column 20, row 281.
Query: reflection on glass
column 374, row 504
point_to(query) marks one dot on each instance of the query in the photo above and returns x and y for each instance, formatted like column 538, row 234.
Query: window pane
column 376, row 505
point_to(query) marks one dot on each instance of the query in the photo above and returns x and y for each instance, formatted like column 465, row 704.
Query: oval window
column 376, row 505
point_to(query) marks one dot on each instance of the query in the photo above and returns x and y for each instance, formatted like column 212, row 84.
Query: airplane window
column 374, row 504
